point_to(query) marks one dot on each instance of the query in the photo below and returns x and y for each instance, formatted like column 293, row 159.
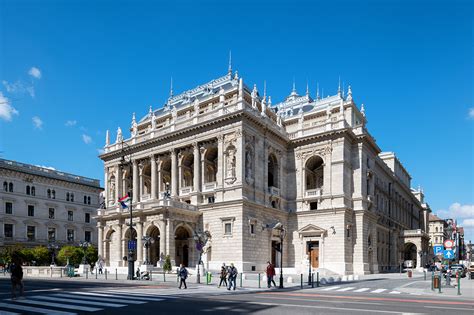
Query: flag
column 125, row 201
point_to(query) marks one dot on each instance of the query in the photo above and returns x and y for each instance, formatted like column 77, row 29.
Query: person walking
column 223, row 275
column 232, row 276
column 16, row 277
column 270, row 274
column 183, row 274
column 100, row 267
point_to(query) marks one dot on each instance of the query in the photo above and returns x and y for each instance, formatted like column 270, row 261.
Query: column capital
column 153, row 158
column 220, row 138
column 195, row 145
column 173, row 152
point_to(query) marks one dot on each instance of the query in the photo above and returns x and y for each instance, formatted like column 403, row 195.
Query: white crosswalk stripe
column 362, row 290
column 77, row 301
column 378, row 291
column 34, row 309
column 97, row 297
column 125, row 296
column 61, row 305
column 8, row 313
column 395, row 292
column 330, row 288
column 345, row 289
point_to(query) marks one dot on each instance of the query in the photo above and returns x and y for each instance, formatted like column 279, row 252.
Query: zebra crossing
column 71, row 302
column 359, row 290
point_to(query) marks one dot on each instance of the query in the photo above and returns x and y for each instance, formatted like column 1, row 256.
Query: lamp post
column 53, row 247
column 282, row 231
column 84, row 246
column 201, row 239
column 147, row 241
column 310, row 247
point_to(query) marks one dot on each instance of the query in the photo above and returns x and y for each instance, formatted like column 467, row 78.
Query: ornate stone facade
column 221, row 158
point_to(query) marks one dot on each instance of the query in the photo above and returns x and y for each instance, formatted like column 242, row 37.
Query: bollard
column 439, row 282
column 61, row 272
column 432, row 280
column 259, row 281
column 312, row 280
column 105, row 274
column 51, row 271
column 87, row 273
column 301, row 276
column 424, row 274
column 240, row 280
column 317, row 279
column 96, row 272
column 164, row 276
column 459, row 282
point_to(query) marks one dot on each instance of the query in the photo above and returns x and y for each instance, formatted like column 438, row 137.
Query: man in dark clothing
column 183, row 274
column 223, row 275
column 270, row 274
column 16, row 276
column 232, row 276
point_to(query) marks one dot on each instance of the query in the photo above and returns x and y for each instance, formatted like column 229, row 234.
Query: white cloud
column 35, row 73
column 87, row 139
column 6, row 110
column 100, row 151
column 19, row 88
column 37, row 122
column 457, row 211
column 70, row 123
column 47, row 167
column 468, row 223
column 470, row 114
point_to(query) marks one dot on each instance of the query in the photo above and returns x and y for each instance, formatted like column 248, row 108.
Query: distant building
column 437, row 231
column 41, row 205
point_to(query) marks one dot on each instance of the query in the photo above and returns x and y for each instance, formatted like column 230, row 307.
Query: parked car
column 471, row 268
column 458, row 268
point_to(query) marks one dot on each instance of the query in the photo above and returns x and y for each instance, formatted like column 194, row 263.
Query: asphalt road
column 67, row 297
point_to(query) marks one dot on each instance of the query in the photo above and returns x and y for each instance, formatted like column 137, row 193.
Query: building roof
column 48, row 172
column 434, row 217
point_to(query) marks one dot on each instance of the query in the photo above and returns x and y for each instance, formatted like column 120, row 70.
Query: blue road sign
column 438, row 249
column 132, row 245
column 448, row 254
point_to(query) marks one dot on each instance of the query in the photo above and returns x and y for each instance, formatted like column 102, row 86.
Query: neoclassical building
column 221, row 157
column 41, row 205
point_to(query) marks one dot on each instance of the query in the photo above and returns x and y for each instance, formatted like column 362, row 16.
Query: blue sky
column 70, row 70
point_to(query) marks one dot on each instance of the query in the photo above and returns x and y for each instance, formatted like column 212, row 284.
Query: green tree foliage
column 73, row 253
column 41, row 255
column 91, row 255
column 167, row 265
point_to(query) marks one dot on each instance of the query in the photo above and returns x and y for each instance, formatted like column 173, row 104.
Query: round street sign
column 448, row 243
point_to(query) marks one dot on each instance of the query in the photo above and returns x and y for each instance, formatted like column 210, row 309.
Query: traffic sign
column 449, row 243
column 438, row 249
column 448, row 254
column 132, row 245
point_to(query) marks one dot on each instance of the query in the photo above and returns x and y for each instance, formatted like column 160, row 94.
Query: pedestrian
column 16, row 276
column 138, row 273
column 270, row 274
column 223, row 275
column 232, row 276
column 100, row 267
column 183, row 275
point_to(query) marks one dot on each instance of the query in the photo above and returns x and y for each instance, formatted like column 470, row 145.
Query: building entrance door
column 185, row 255
column 313, row 253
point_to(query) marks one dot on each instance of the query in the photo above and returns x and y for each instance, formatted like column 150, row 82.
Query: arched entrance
column 111, row 255
column 409, row 254
column 182, row 239
column 154, row 247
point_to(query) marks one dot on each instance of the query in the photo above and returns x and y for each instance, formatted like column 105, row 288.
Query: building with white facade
column 234, row 164
column 40, row 205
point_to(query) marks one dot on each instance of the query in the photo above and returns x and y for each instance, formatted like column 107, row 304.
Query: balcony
column 311, row 193
column 185, row 190
column 209, row 186
column 145, row 197
column 274, row 191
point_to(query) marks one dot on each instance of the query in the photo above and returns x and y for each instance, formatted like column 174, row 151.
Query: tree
column 91, row 255
column 41, row 255
column 73, row 253
column 167, row 265
column 26, row 255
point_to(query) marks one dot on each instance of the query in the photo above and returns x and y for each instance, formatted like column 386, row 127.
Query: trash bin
column 410, row 273
column 436, row 282
column 472, row 275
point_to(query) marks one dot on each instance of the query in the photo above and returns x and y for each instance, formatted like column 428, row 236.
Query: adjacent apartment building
column 222, row 158
column 41, row 205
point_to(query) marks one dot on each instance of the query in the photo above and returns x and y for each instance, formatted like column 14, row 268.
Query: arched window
column 49, row 193
column 273, row 171
column 72, row 197
column 10, row 187
column 436, row 229
column 33, row 191
column 314, row 173
column 5, row 186
column 67, row 196
column 89, row 200
column 53, row 194
column 28, row 190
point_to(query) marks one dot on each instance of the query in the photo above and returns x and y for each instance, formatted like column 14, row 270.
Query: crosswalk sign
column 448, row 254
column 438, row 249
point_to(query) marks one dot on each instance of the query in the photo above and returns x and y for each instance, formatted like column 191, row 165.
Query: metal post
column 164, row 276
column 96, row 272
column 61, row 272
column 51, row 271
column 259, row 281
column 240, row 280
column 317, row 279
column 105, row 274
column 87, row 273
column 424, row 274
column 281, row 258
column 432, row 280
column 116, row 277
column 301, row 281
column 151, row 275
column 459, row 283
column 439, row 287
column 312, row 280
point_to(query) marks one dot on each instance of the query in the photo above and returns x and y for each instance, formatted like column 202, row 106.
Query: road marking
column 34, row 309
column 151, row 295
column 450, row 308
column 45, row 290
column 118, row 296
column 330, row 288
column 77, row 301
column 85, row 296
column 362, row 290
column 225, row 298
column 378, row 291
column 345, row 289
column 8, row 313
column 395, row 292
column 61, row 305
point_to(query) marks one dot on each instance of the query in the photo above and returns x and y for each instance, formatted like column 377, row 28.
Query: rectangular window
column 87, row 236
column 31, row 210
column 70, row 215
column 211, row 199
column 70, row 235
column 30, row 232
column 51, row 213
column 8, row 208
column 88, row 218
column 51, row 234
column 8, row 230
column 228, row 229
column 252, row 228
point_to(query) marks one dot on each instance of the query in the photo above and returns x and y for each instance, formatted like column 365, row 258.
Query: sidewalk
column 424, row 287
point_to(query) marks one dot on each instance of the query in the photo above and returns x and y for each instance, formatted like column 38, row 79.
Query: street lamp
column 53, row 247
column 279, row 227
column 310, row 247
column 147, row 241
column 201, row 239
column 84, row 246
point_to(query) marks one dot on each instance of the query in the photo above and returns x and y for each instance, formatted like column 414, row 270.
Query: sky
column 70, row 70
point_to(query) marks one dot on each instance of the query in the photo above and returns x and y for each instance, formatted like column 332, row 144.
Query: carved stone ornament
column 249, row 158
column 230, row 164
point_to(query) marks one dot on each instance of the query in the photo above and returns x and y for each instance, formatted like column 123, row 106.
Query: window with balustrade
column 314, row 176
column 273, row 171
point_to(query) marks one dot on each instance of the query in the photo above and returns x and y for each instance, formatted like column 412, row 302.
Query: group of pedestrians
column 16, row 277
column 228, row 276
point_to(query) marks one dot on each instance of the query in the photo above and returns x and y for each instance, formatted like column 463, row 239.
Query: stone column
column 141, row 166
column 100, row 240
column 170, row 242
column 118, row 246
column 118, row 177
column 203, row 167
column 124, row 185
column 220, row 161
column 135, row 197
column 153, row 177
column 106, row 184
column 174, row 175
column 139, row 243
column 196, row 173
column 180, row 172
column 159, row 178
column 163, row 238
